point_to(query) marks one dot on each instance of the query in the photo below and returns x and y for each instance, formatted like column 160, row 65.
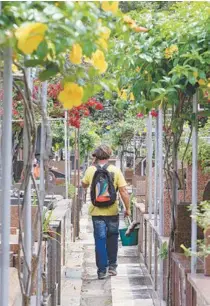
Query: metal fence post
column 194, row 184
column 6, row 148
column 160, row 170
column 156, row 189
column 42, row 185
column 69, row 155
column 66, row 151
column 27, row 224
column 149, row 163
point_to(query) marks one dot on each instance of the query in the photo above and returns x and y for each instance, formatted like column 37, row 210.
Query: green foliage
column 167, row 60
column 128, row 6
column 67, row 23
column 163, row 254
column 57, row 132
column 202, row 215
column 88, row 138
column 202, row 218
column 71, row 191
column 124, row 131
column 47, row 217
column 203, row 148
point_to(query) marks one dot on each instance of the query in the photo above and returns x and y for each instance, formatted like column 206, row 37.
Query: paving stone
column 71, row 301
column 81, row 287
column 96, row 301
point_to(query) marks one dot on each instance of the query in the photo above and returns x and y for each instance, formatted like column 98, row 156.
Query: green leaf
column 159, row 90
column 34, row 63
column 57, row 16
column 105, row 86
column 146, row 58
column 51, row 70
column 108, row 95
column 42, row 50
column 192, row 79
column 202, row 74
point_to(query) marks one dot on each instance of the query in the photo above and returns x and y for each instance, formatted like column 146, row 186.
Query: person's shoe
column 101, row 275
column 112, row 271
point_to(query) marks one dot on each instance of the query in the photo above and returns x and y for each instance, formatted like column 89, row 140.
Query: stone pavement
column 80, row 286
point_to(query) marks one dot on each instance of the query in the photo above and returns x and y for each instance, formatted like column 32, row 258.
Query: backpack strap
column 106, row 166
column 97, row 167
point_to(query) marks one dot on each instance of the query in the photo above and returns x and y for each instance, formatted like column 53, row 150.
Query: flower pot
column 207, row 258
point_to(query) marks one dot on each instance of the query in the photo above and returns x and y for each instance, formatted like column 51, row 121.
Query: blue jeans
column 106, row 231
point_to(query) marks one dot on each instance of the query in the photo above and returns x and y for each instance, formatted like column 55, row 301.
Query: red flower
column 15, row 112
column 154, row 113
column 21, row 124
column 74, row 122
column 99, row 106
column 86, row 113
column 140, row 115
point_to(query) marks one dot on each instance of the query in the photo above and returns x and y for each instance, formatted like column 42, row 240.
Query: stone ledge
column 15, row 297
column 61, row 208
column 156, row 228
column 201, row 284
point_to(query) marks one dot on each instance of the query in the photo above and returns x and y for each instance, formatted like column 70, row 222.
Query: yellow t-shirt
column 119, row 181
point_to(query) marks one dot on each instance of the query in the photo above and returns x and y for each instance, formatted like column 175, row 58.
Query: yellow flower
column 170, row 51
column 123, row 95
column 71, row 95
column 132, row 98
column 195, row 74
column 102, row 43
column 105, row 32
column 208, row 85
column 99, row 62
column 138, row 69
column 128, row 19
column 14, row 68
column 76, row 54
column 29, row 36
column 202, row 82
column 110, row 6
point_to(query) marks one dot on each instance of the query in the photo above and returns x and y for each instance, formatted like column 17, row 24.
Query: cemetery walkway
column 80, row 286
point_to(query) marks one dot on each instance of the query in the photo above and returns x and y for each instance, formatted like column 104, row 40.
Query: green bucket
column 130, row 240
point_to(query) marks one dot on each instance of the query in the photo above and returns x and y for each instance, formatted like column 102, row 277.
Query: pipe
column 27, row 223
column 66, row 151
column 6, row 177
column 160, row 170
column 149, row 159
column 69, row 156
column 194, row 184
column 42, row 186
column 156, row 187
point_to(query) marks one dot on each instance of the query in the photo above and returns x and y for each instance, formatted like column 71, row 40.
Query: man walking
column 105, row 180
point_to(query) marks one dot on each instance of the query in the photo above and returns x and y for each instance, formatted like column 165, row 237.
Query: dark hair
column 102, row 152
